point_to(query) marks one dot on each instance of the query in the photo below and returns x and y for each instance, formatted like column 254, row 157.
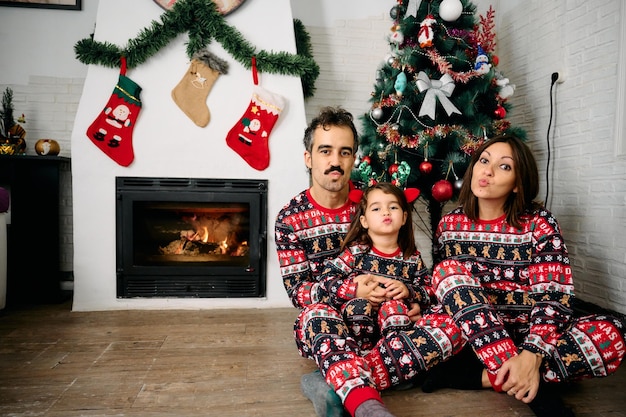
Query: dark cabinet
column 33, row 247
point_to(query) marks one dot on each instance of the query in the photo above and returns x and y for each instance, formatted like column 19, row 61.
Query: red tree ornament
column 442, row 191
column 426, row 167
column 393, row 168
column 500, row 112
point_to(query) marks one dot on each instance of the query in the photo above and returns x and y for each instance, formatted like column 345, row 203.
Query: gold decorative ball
column 47, row 147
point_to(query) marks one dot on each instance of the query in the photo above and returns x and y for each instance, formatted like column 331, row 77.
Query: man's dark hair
column 330, row 116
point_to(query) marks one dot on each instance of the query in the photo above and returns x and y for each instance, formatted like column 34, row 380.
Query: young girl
column 379, row 272
column 375, row 331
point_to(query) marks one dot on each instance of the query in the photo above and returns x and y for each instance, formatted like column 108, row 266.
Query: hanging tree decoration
column 425, row 35
column 365, row 173
column 425, row 166
column 458, row 182
column 482, row 65
column 401, row 83
column 396, row 35
column 506, row 89
column 450, row 10
column 443, row 190
column 436, row 90
column 401, row 174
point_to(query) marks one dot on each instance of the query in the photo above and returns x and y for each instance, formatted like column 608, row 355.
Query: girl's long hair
column 357, row 234
column 526, row 181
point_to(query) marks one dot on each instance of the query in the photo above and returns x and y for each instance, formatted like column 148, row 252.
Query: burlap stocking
column 192, row 91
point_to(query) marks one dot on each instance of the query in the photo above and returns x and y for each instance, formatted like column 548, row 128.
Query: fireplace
column 191, row 237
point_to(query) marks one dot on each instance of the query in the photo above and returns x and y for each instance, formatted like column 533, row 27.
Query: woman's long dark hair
column 526, row 182
column 358, row 234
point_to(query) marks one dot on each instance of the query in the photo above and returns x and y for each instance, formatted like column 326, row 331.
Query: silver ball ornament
column 377, row 113
column 380, row 77
column 458, row 184
column 395, row 12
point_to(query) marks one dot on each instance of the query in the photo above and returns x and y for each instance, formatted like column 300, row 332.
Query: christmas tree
column 438, row 96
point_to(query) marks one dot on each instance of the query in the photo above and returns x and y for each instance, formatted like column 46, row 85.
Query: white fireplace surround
column 168, row 144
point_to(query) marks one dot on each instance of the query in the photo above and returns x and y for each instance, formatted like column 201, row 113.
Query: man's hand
column 368, row 288
column 519, row 376
column 396, row 290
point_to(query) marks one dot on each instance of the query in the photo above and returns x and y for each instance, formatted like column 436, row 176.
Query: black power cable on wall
column 554, row 78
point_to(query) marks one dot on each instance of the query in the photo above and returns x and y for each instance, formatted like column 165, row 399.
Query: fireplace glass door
column 191, row 237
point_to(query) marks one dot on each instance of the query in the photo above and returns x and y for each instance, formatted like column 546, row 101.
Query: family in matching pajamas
column 501, row 284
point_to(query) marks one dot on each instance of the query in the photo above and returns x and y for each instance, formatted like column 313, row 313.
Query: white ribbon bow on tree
column 436, row 89
column 411, row 8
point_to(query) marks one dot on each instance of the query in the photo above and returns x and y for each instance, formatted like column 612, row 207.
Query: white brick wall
column 588, row 179
column 348, row 53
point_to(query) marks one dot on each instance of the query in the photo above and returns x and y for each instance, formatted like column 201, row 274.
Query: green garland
column 202, row 22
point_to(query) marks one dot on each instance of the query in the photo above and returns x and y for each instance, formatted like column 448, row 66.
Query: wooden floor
column 54, row 362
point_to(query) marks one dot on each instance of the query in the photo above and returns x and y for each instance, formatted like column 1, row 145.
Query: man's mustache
column 334, row 168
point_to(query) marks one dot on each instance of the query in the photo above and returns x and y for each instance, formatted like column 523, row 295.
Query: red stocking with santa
column 249, row 137
column 112, row 130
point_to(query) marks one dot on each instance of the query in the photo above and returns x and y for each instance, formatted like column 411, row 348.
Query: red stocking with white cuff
column 112, row 131
column 250, row 135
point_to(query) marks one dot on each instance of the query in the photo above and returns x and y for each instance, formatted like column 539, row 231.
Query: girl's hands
column 378, row 289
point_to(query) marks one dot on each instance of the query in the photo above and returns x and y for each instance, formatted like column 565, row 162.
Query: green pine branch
column 203, row 23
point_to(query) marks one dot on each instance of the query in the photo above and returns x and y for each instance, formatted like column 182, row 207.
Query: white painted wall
column 40, row 42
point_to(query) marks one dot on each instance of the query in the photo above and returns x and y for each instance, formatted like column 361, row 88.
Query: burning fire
column 209, row 236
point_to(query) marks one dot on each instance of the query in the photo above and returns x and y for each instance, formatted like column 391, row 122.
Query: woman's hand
column 519, row 376
column 415, row 312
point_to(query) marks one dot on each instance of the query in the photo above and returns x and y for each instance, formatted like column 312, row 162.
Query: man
column 311, row 227
column 309, row 230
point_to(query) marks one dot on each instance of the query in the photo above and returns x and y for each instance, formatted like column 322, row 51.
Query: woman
column 504, row 276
